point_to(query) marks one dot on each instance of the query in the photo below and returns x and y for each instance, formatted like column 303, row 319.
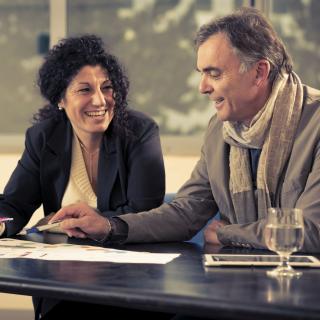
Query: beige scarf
column 272, row 130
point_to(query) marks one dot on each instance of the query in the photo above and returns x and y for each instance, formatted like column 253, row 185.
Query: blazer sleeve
column 182, row 218
column 145, row 171
column 141, row 170
column 22, row 194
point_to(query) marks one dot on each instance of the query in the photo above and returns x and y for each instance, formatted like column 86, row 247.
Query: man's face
column 235, row 95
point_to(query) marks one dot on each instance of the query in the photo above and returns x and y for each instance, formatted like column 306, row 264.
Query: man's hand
column 81, row 221
column 44, row 220
column 210, row 233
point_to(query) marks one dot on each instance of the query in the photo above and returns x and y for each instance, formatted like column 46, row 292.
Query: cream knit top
column 78, row 187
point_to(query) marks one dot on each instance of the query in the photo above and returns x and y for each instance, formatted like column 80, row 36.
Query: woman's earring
column 60, row 108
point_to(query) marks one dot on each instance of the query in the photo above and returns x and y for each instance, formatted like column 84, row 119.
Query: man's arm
column 179, row 220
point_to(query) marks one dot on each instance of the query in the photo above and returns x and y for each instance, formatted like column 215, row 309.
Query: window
column 298, row 24
column 154, row 40
column 24, row 26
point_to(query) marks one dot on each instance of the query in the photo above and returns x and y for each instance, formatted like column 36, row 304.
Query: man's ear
column 262, row 71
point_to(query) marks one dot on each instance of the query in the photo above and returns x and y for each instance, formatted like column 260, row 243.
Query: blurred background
column 154, row 41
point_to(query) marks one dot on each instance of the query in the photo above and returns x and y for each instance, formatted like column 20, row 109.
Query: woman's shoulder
column 44, row 129
column 140, row 121
column 138, row 116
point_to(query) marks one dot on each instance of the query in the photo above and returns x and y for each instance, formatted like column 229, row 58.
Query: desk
column 181, row 286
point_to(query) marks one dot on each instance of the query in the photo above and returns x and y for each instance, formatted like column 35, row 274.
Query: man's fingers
column 75, row 233
column 71, row 223
column 214, row 225
column 73, row 228
column 65, row 213
column 76, row 210
column 211, row 237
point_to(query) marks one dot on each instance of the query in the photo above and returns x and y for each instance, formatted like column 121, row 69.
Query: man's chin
column 222, row 117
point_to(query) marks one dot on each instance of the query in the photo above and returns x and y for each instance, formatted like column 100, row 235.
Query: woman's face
column 89, row 102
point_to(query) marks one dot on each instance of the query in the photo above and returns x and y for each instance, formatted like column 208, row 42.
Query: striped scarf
column 272, row 130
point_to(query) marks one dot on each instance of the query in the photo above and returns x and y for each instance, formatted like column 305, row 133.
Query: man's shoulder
column 215, row 124
column 310, row 117
column 214, row 131
column 312, row 95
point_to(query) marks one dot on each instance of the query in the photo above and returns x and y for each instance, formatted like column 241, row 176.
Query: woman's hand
column 210, row 233
column 81, row 221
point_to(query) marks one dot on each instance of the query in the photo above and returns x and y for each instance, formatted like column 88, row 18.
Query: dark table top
column 181, row 286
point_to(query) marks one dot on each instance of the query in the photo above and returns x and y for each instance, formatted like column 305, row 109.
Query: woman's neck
column 90, row 142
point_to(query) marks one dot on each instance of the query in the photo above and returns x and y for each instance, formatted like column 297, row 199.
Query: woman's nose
column 98, row 98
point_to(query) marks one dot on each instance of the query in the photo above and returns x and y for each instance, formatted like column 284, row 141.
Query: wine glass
column 284, row 234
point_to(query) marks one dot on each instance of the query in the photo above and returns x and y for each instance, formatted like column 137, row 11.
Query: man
column 260, row 150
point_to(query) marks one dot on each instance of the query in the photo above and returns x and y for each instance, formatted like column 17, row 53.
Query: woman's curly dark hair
column 65, row 60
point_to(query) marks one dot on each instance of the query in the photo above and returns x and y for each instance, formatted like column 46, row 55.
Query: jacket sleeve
column 251, row 234
column 309, row 202
column 141, row 172
column 22, row 194
column 145, row 171
column 182, row 218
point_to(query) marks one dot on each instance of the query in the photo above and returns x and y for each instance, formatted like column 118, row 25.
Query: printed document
column 13, row 248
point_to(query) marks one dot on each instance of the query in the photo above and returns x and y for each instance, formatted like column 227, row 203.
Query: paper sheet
column 13, row 248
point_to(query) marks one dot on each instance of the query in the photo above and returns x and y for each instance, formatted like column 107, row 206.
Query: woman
column 86, row 148
column 86, row 144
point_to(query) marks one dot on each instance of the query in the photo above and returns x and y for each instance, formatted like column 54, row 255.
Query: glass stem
column 284, row 259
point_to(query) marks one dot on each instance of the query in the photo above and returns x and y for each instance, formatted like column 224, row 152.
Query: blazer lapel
column 107, row 171
column 56, row 169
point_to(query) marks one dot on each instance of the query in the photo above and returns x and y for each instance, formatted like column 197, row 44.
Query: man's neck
column 261, row 101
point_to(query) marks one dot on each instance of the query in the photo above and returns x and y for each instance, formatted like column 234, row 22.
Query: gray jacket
column 207, row 191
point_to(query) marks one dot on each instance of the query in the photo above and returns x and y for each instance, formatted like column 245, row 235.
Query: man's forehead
column 216, row 44
column 215, row 52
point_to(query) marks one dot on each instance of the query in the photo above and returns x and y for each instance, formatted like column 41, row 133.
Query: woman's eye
column 105, row 88
column 84, row 90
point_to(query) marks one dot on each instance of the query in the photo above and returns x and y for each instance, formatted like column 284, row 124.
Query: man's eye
column 214, row 75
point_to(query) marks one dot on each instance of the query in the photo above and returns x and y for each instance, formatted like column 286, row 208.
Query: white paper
column 13, row 248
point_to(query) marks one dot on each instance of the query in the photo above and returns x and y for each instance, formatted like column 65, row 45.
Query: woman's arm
column 144, row 171
column 22, row 194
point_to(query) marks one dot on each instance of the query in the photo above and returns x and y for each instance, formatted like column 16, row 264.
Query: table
column 181, row 286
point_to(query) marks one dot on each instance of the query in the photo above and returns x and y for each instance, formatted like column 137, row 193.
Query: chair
column 199, row 237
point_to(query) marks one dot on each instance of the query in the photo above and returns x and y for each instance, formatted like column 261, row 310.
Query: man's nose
column 204, row 86
column 98, row 98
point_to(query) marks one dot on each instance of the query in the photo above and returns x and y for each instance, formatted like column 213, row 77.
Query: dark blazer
column 130, row 173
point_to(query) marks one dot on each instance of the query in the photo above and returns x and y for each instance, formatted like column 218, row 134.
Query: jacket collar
column 59, row 147
column 60, row 141
column 108, row 169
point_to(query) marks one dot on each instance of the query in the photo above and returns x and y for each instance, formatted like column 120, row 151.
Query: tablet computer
column 217, row 260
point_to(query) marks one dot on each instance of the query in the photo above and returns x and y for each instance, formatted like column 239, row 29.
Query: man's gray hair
column 252, row 38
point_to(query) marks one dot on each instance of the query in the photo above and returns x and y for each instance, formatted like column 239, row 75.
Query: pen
column 4, row 219
column 43, row 227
